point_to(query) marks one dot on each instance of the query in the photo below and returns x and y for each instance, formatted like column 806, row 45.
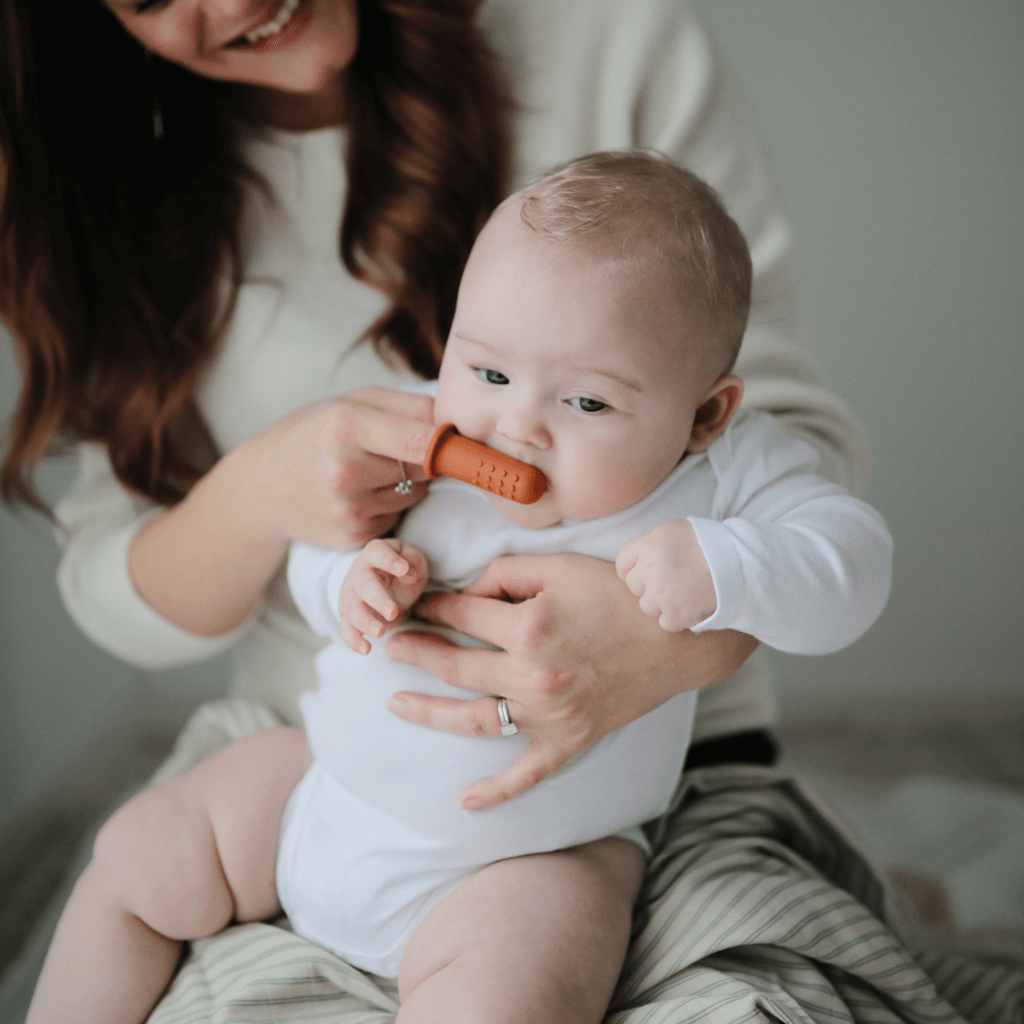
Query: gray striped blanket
column 757, row 907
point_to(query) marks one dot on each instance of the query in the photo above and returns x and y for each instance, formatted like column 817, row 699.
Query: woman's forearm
column 204, row 563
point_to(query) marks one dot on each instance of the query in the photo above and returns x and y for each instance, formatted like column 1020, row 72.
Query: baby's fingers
column 673, row 621
column 360, row 616
column 354, row 640
column 383, row 555
column 650, row 606
column 374, row 594
column 627, row 558
column 636, row 584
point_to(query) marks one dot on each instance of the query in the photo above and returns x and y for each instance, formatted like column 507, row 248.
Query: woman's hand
column 326, row 475
column 578, row 660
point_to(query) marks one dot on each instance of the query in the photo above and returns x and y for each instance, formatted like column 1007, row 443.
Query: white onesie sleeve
column 315, row 576
column 796, row 561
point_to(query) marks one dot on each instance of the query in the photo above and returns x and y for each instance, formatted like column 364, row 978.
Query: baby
column 598, row 318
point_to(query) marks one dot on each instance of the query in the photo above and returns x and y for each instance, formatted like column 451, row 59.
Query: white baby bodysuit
column 373, row 837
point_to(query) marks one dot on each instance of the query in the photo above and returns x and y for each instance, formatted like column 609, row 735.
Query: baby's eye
column 492, row 376
column 141, row 6
column 587, row 404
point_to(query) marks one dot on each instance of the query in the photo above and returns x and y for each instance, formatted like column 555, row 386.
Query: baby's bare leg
column 539, row 938
column 179, row 861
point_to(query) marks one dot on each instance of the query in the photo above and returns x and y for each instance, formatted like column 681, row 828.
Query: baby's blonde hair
column 629, row 208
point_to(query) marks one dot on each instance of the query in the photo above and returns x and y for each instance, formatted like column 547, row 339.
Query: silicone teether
column 451, row 454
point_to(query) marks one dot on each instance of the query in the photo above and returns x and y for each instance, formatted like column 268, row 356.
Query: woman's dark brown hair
column 115, row 245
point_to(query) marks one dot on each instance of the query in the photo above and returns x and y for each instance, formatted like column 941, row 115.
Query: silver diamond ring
column 404, row 486
column 508, row 727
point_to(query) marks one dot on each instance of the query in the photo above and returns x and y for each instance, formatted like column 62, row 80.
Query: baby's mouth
column 268, row 29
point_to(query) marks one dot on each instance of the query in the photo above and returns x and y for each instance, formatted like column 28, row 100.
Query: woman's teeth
column 271, row 28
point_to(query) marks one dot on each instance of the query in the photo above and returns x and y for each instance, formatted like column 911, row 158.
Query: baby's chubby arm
column 667, row 571
column 384, row 582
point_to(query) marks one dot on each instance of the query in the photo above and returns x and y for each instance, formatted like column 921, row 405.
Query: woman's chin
column 320, row 101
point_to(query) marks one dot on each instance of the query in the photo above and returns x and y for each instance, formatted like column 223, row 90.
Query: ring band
column 404, row 486
column 508, row 727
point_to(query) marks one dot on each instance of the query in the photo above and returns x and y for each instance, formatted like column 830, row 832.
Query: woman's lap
column 756, row 901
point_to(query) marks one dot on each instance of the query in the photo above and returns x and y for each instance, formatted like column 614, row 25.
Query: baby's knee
column 154, row 863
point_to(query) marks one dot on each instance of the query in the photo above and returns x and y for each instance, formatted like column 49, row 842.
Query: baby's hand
column 667, row 571
column 383, row 584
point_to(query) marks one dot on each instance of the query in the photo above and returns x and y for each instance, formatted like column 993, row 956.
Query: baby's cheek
column 597, row 491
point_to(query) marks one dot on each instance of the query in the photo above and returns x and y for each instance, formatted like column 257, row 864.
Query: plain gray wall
column 896, row 130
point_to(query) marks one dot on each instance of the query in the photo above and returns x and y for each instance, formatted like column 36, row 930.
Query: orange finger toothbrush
column 451, row 454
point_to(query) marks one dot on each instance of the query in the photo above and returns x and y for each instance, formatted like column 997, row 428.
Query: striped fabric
column 758, row 907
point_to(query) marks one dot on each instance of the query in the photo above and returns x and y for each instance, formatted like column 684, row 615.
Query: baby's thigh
column 541, row 937
column 192, row 854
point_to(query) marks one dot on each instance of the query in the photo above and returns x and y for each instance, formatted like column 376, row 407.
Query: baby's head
column 598, row 318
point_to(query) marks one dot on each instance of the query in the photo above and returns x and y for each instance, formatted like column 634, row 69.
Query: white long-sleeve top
column 587, row 75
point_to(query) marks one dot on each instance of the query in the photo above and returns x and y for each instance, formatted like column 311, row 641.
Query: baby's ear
column 716, row 408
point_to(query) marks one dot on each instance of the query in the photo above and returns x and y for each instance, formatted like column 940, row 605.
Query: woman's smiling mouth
column 269, row 29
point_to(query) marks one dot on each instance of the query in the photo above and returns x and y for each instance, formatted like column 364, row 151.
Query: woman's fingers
column 477, row 717
column 361, row 513
column 388, row 499
column 326, row 473
column 515, row 577
column 349, row 469
column 368, row 443
column 468, row 668
column 485, row 618
column 480, row 718
column 538, row 761
column 392, row 425
column 398, row 403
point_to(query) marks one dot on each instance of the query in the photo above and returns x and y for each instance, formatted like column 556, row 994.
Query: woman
column 172, row 223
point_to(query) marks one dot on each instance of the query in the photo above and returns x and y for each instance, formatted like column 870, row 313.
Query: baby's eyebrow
column 468, row 337
column 625, row 381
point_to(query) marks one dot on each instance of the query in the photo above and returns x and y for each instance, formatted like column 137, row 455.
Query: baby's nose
column 522, row 425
